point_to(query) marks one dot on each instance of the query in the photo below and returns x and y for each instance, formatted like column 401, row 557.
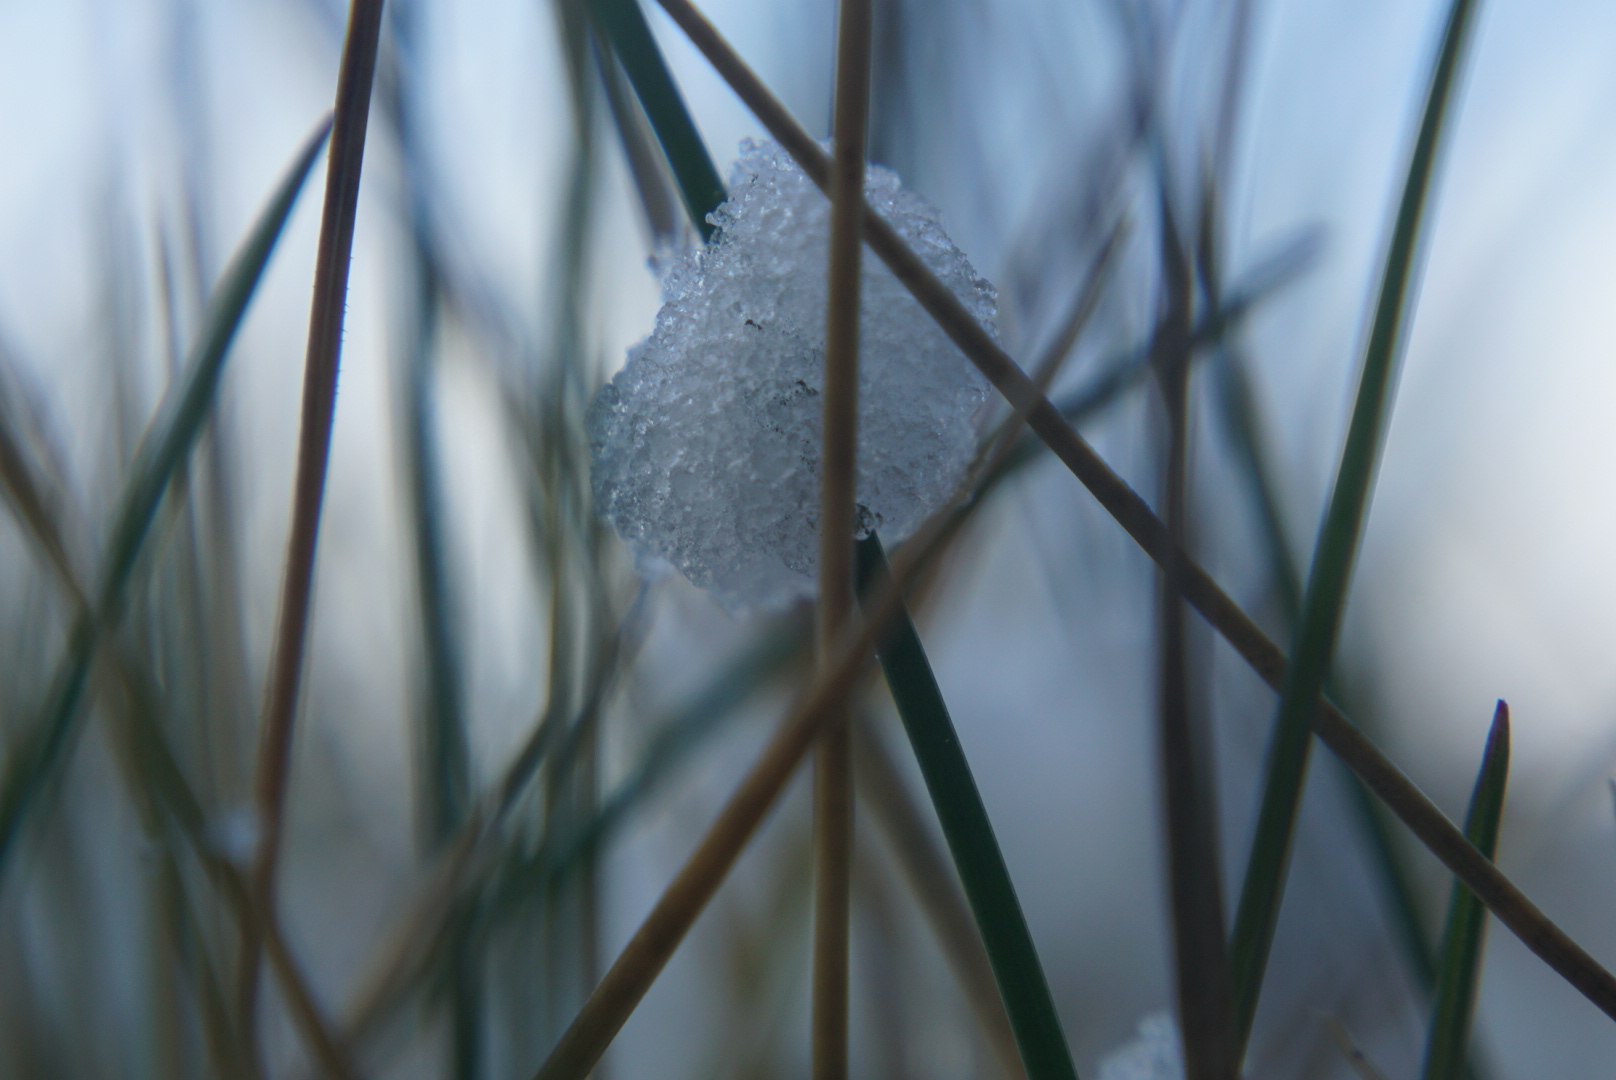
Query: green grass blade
column 931, row 879
column 1459, row 969
column 970, row 837
column 1335, row 550
column 34, row 759
column 1238, row 411
column 623, row 24
column 443, row 781
column 1242, row 423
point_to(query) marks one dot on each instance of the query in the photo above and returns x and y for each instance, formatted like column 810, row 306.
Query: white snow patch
column 706, row 445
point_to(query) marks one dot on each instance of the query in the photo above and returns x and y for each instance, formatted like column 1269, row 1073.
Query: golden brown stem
column 314, row 450
column 833, row 779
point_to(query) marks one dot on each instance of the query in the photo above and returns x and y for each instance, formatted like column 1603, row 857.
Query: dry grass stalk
column 314, row 450
column 833, row 767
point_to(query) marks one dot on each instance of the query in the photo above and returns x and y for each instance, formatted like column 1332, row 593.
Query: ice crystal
column 706, row 445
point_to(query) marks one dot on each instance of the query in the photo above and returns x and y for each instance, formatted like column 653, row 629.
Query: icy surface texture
column 706, row 444
column 1155, row 1055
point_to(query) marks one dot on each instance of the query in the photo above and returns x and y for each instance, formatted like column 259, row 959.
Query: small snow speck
column 1156, row 1054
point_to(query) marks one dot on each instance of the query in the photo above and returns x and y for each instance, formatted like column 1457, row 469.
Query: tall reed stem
column 833, row 766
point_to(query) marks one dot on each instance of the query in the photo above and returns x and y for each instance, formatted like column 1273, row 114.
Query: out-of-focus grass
column 507, row 921
column 1336, row 548
column 33, row 758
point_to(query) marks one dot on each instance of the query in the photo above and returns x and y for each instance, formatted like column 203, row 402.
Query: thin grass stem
column 350, row 118
column 444, row 790
column 1195, row 888
column 838, row 464
column 444, row 787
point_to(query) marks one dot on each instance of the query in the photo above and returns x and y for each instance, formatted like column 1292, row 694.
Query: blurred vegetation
column 138, row 881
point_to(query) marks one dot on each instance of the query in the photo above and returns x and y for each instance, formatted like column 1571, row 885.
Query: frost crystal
column 1155, row 1055
column 706, row 444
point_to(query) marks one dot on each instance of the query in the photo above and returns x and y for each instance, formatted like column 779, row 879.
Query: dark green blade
column 623, row 24
column 1335, row 550
column 35, row 758
column 444, row 788
column 970, row 837
column 1459, row 969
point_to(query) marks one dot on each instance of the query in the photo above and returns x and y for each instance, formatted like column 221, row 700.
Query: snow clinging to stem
column 706, row 445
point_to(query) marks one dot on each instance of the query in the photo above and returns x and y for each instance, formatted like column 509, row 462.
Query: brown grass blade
column 833, row 765
column 314, row 449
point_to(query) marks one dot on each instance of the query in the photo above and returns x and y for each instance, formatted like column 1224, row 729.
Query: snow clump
column 1155, row 1055
column 706, row 445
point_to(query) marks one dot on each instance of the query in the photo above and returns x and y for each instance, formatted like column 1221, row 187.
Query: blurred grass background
column 473, row 624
